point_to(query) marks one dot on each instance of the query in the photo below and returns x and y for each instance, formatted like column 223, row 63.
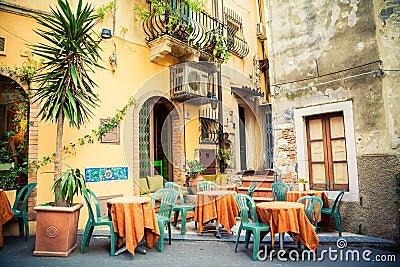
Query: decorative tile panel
column 102, row 174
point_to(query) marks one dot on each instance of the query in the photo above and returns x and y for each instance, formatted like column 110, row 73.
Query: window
column 327, row 157
column 112, row 136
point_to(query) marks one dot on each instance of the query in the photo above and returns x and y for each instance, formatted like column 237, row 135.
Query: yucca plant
column 65, row 88
column 69, row 184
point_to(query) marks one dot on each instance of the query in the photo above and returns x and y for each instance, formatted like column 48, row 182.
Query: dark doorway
column 162, row 140
column 242, row 136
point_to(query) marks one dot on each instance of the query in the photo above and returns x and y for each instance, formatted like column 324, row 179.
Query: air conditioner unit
column 260, row 31
column 188, row 82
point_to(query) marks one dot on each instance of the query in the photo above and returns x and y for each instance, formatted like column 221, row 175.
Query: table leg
column 217, row 234
column 281, row 236
column 138, row 249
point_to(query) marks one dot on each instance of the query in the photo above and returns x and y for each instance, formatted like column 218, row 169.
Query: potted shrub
column 64, row 92
column 195, row 169
column 57, row 226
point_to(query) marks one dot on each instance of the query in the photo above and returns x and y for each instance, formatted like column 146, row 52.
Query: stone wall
column 329, row 52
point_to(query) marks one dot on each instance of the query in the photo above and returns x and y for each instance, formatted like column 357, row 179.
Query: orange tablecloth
column 293, row 196
column 288, row 217
column 5, row 213
column 220, row 205
column 134, row 218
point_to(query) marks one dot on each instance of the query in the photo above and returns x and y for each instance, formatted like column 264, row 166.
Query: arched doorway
column 156, row 155
column 14, row 124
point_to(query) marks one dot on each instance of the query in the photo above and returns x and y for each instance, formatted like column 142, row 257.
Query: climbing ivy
column 96, row 135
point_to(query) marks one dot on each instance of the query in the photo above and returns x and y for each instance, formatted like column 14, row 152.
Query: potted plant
column 195, row 169
column 302, row 184
column 64, row 92
column 57, row 226
column 224, row 156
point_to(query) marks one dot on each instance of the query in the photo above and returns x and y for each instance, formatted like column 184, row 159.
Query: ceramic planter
column 56, row 230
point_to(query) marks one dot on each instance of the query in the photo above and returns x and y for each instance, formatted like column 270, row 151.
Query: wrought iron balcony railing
column 196, row 29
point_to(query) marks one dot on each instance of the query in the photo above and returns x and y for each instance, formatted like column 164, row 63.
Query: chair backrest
column 25, row 192
column 338, row 200
column 89, row 197
column 177, row 188
column 251, row 189
column 167, row 199
column 206, row 186
column 279, row 191
column 247, row 207
column 312, row 207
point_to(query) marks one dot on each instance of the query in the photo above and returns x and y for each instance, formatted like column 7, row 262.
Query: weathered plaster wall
column 325, row 52
column 387, row 16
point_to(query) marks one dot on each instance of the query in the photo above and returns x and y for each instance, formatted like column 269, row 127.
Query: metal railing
column 194, row 28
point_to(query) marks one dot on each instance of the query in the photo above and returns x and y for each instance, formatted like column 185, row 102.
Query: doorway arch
column 158, row 137
column 23, row 123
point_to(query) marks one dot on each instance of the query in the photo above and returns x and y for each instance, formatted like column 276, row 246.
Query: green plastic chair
column 167, row 198
column 312, row 208
column 158, row 163
column 179, row 208
column 206, row 186
column 279, row 191
column 251, row 189
column 250, row 224
column 334, row 211
column 19, row 208
column 95, row 219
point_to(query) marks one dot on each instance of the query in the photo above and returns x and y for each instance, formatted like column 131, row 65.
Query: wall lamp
column 214, row 102
column 106, row 34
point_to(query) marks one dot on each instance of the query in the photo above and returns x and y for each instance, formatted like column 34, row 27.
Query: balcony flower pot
column 56, row 230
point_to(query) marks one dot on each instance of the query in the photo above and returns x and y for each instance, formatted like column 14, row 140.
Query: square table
column 134, row 219
column 284, row 216
column 219, row 205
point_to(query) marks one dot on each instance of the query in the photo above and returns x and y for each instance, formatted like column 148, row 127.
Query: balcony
column 189, row 35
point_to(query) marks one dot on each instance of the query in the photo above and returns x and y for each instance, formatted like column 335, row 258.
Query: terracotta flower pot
column 193, row 181
column 56, row 230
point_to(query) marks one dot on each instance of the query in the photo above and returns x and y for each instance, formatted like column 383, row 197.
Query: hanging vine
column 96, row 135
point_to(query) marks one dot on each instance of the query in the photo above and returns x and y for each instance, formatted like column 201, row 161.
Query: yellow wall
column 133, row 69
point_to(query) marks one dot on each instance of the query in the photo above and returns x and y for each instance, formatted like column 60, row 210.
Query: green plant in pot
column 195, row 169
column 64, row 92
column 69, row 184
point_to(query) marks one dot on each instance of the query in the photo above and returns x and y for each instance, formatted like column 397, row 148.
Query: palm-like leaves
column 70, row 53
column 65, row 88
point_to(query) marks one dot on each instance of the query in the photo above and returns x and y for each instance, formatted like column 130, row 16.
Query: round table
column 219, row 205
column 134, row 219
column 285, row 216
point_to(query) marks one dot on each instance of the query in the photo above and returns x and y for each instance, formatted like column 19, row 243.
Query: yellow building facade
column 139, row 62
